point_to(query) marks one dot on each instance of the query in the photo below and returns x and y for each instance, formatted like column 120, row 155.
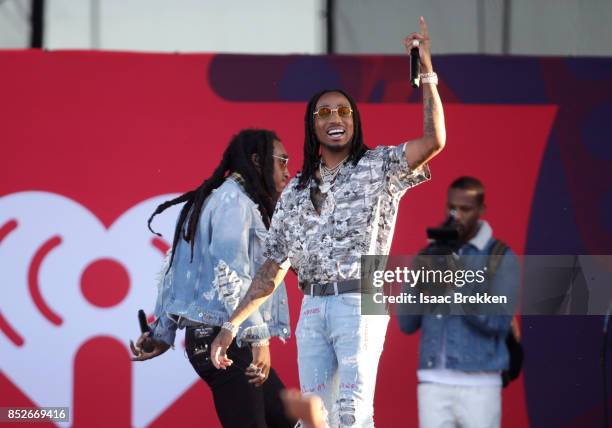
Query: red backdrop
column 110, row 130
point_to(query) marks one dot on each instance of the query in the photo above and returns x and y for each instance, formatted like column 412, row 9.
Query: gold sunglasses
column 326, row 112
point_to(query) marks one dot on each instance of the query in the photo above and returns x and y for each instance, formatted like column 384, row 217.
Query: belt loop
column 335, row 288
column 311, row 290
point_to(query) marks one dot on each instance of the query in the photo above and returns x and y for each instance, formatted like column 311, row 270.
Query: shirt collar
column 483, row 235
column 239, row 180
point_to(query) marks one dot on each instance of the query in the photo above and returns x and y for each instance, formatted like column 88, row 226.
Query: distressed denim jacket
column 469, row 343
column 228, row 252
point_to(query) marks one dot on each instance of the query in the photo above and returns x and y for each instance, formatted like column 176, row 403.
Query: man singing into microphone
column 343, row 205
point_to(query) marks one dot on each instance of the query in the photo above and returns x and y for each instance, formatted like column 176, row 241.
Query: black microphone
column 147, row 346
column 415, row 65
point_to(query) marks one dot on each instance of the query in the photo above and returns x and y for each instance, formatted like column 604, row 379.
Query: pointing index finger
column 423, row 25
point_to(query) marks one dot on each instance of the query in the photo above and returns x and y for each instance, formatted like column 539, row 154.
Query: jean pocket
column 199, row 357
column 351, row 299
column 198, row 342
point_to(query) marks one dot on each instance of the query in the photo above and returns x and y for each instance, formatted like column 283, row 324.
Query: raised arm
column 420, row 151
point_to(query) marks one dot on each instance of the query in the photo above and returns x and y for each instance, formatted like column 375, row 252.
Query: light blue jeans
column 338, row 353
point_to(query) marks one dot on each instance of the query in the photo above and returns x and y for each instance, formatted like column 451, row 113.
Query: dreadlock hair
column 470, row 183
column 258, row 183
column 312, row 145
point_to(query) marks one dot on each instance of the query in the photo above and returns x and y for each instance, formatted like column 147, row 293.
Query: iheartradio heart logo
column 69, row 282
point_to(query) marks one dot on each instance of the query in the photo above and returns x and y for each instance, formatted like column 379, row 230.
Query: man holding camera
column 462, row 354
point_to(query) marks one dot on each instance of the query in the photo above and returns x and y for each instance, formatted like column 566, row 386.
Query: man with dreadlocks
column 343, row 205
column 217, row 248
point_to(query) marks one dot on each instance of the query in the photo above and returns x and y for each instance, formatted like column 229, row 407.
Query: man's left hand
column 424, row 46
column 218, row 349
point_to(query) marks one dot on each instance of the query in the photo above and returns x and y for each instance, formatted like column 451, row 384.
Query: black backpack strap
column 513, row 338
column 496, row 253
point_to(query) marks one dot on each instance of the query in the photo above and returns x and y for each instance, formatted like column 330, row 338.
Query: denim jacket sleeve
column 164, row 329
column 229, row 250
column 504, row 283
column 409, row 323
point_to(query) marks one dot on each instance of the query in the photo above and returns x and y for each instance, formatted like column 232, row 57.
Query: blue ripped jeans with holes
column 338, row 354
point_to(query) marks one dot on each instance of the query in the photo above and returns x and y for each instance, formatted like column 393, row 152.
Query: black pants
column 239, row 404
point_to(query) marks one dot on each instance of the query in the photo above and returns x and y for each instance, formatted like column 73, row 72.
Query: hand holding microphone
column 418, row 46
column 146, row 347
column 415, row 65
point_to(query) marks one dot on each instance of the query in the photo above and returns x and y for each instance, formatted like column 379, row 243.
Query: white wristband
column 429, row 78
column 260, row 344
column 230, row 327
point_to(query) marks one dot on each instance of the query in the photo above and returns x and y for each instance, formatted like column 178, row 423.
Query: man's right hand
column 138, row 349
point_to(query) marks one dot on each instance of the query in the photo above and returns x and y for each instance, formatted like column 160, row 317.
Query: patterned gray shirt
column 357, row 217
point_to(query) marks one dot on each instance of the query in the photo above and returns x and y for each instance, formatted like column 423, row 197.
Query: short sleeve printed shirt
column 357, row 217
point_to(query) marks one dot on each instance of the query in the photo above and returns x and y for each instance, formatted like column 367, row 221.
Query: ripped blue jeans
column 338, row 354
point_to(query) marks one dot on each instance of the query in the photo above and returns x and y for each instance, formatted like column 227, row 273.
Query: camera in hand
column 444, row 239
column 439, row 255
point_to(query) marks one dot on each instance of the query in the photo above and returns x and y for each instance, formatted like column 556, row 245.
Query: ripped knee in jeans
column 345, row 408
